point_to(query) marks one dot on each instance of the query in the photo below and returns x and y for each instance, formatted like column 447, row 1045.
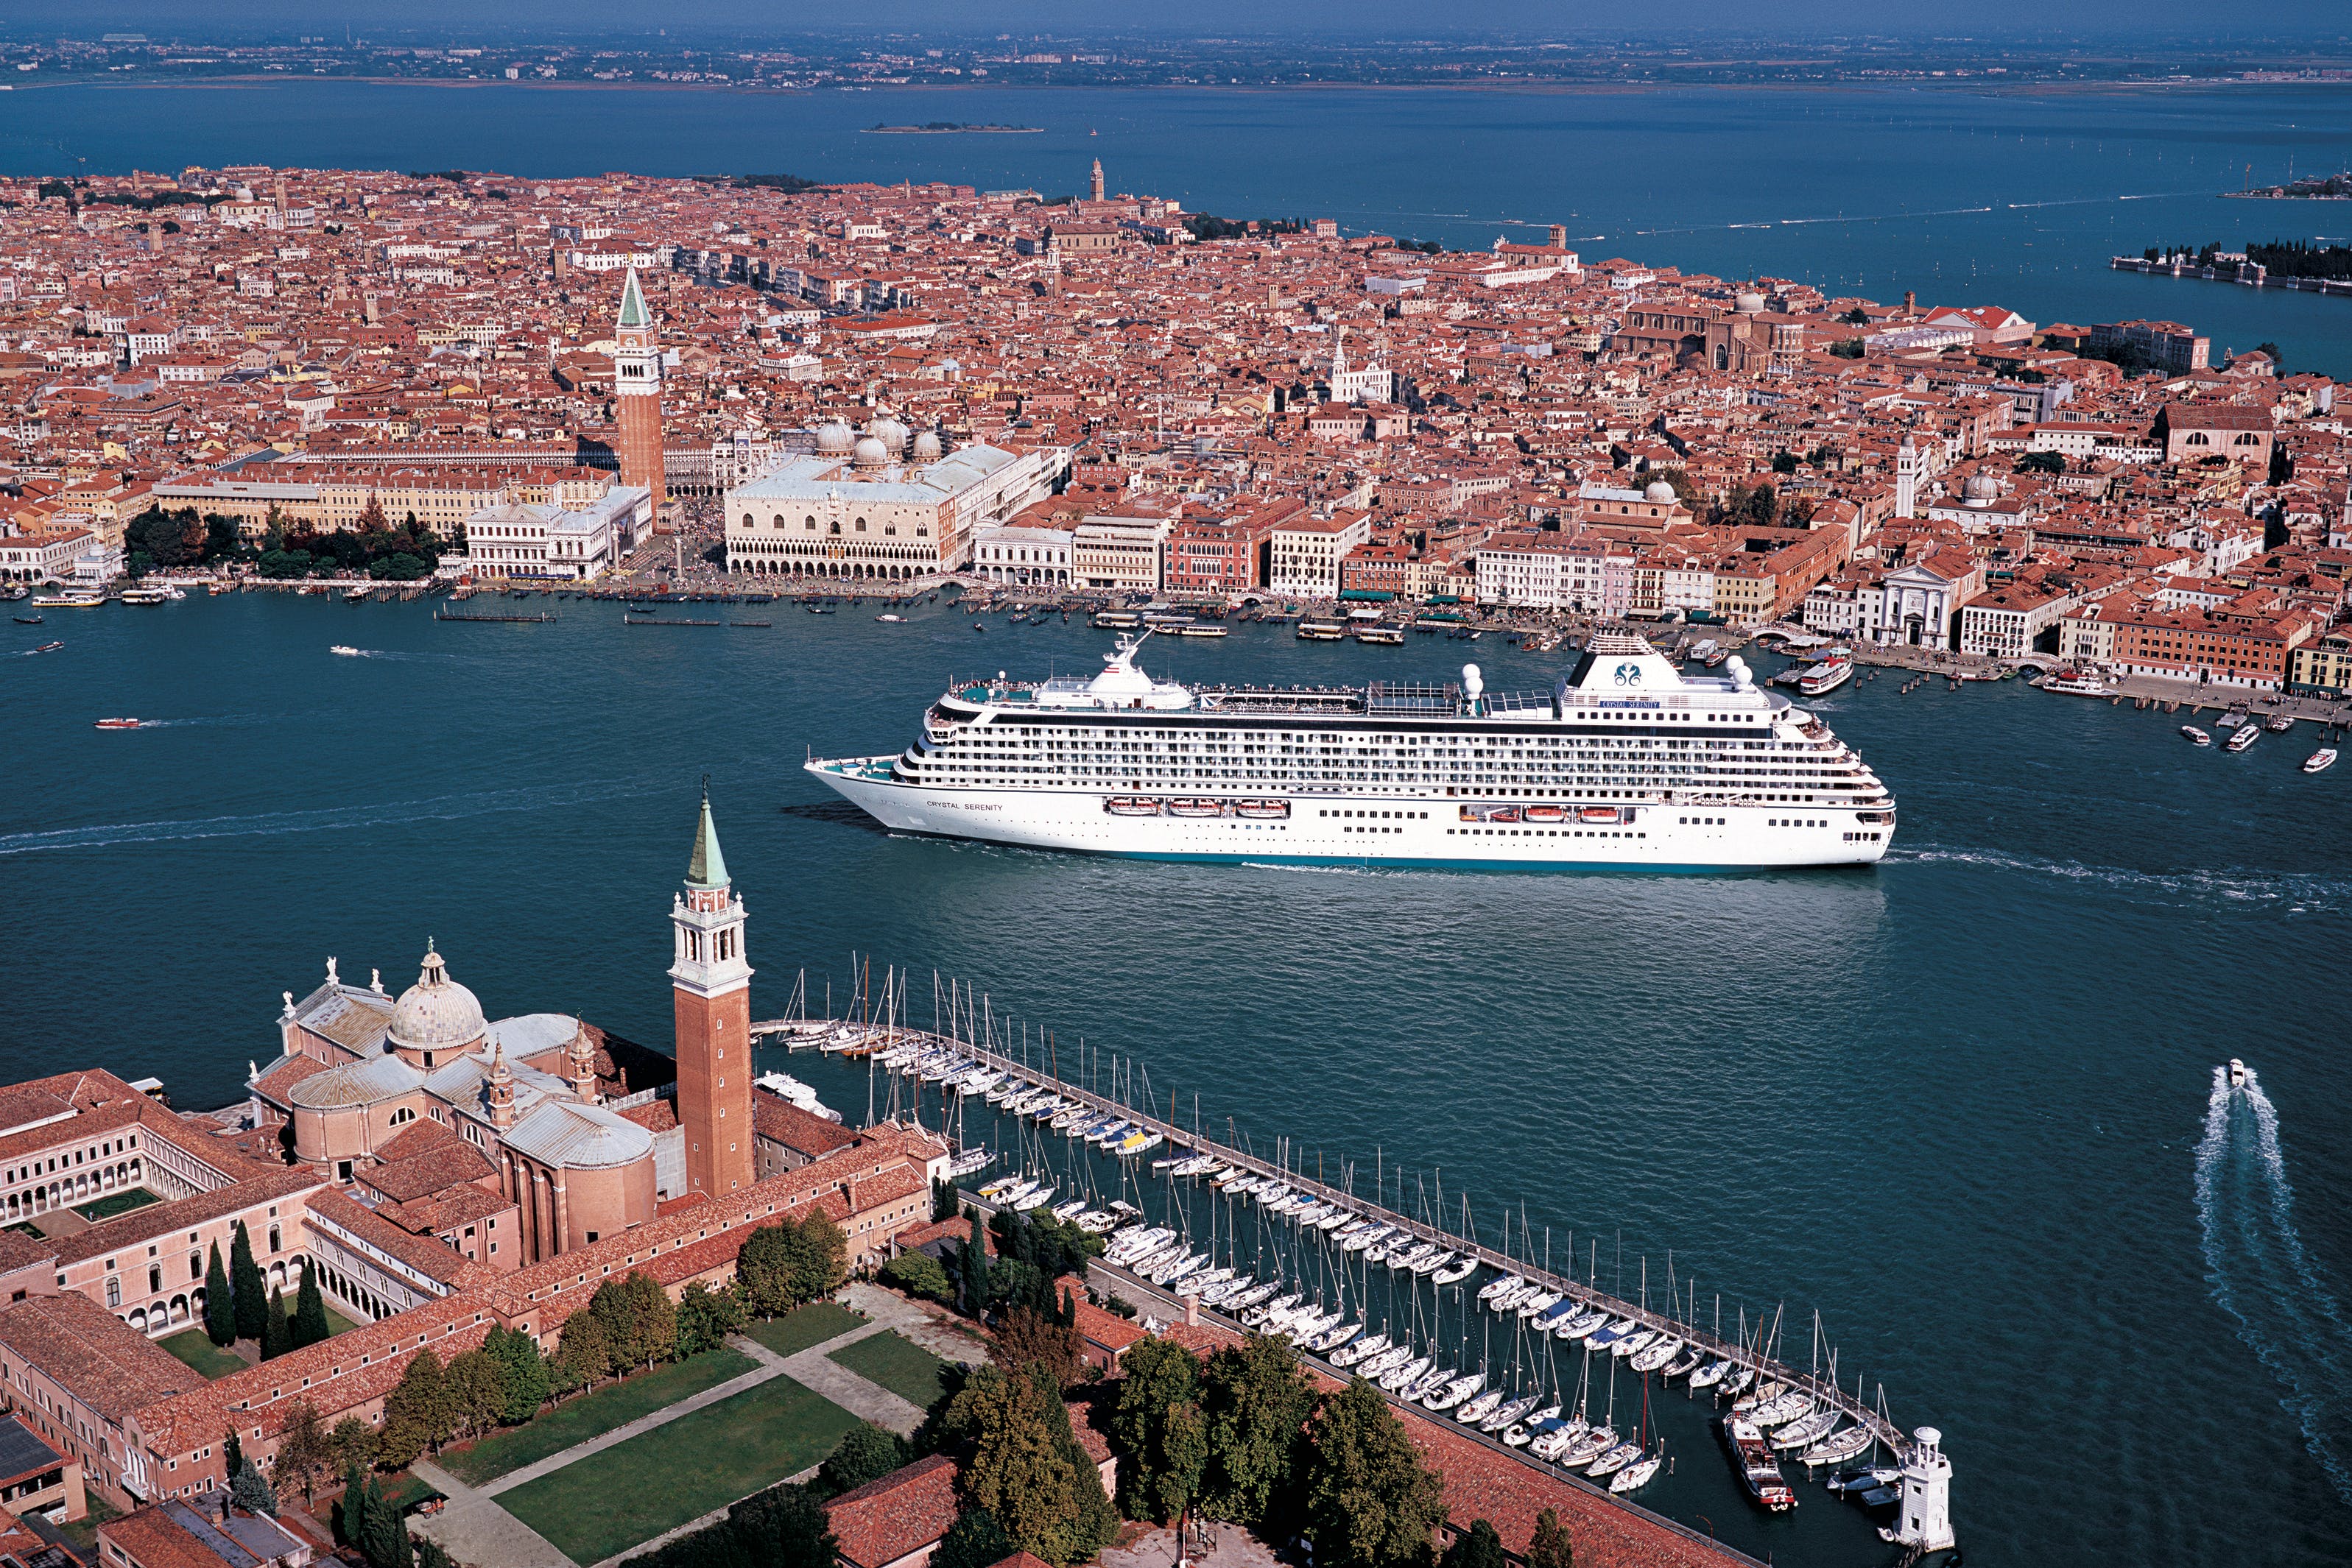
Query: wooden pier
column 1825, row 1394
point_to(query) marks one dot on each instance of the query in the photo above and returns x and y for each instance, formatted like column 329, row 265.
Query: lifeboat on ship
column 1131, row 806
column 1598, row 814
column 1264, row 809
column 1547, row 813
column 1196, row 808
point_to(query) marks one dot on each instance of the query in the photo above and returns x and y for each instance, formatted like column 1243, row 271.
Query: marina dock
column 858, row 1039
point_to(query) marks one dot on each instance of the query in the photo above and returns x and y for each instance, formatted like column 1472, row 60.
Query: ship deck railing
column 1824, row 1392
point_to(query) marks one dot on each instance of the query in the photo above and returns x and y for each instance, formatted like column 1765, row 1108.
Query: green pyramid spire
column 633, row 306
column 708, row 867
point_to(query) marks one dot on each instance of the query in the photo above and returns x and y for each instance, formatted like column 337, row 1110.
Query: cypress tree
column 975, row 1271
column 220, row 1306
column 311, row 1311
column 351, row 1514
column 232, row 1453
column 277, row 1333
column 244, row 1280
column 385, row 1540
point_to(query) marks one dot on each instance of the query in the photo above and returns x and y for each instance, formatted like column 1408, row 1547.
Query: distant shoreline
column 953, row 130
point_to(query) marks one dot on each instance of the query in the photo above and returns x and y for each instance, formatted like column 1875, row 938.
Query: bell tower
column 711, row 986
column 637, row 392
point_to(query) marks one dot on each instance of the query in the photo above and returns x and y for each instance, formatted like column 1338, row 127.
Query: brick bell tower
column 637, row 392
column 711, row 984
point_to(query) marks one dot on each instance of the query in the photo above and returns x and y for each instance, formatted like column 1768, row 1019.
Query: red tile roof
column 903, row 1511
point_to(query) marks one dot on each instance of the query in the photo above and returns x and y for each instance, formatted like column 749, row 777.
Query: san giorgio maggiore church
column 885, row 503
column 441, row 1172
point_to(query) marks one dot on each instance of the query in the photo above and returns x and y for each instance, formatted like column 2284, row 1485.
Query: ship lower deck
column 1405, row 829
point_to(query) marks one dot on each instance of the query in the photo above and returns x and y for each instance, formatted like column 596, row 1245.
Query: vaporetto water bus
column 1624, row 762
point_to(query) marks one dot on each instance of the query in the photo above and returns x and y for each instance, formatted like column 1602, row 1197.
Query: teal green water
column 1955, row 1103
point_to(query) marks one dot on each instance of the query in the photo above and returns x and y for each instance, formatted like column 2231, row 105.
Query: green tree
column 640, row 1321
column 1156, row 1426
column 584, row 1354
column 303, row 1449
column 250, row 1490
column 1026, row 1467
column 477, row 1393
column 973, row 1266
column 352, row 1442
column 220, row 1302
column 1784, row 462
column 1477, row 1547
column 764, row 1269
column 431, row 1553
column 707, row 1316
column 527, row 1378
column 246, row 1282
column 1255, row 1401
column 943, row 1199
column 974, row 1541
column 2043, row 462
column 1847, row 348
column 1366, row 1498
column 358, row 1500
column 2282, row 464
column 919, row 1274
column 277, row 1333
column 819, row 1257
column 309, row 1323
column 418, row 1414
column 1029, row 1340
column 384, row 1542
column 865, row 1453
column 1550, row 1547
column 783, row 1527
column 232, row 1454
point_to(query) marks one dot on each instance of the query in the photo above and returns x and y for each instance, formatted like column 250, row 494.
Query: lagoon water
column 1961, row 1104
column 2015, row 198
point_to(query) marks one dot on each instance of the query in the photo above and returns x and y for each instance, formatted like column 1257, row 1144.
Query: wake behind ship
column 1624, row 762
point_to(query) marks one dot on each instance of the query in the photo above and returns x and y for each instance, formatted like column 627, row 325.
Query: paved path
column 476, row 1529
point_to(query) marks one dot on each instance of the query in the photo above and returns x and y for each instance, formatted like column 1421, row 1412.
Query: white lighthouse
column 1925, row 1522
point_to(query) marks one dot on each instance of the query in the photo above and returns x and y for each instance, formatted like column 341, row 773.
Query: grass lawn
column 587, row 1416
column 336, row 1322
column 405, row 1490
column 107, row 1207
column 897, row 1364
column 83, row 1531
column 659, row 1480
column 27, row 1228
column 194, row 1347
column 812, row 1324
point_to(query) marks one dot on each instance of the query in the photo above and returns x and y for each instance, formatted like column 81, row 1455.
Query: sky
column 2156, row 21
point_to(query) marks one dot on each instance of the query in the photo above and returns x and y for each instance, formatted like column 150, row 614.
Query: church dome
column 1748, row 304
column 870, row 453
column 927, row 446
column 1981, row 489
column 436, row 1013
column 834, row 438
column 1659, row 490
column 889, row 433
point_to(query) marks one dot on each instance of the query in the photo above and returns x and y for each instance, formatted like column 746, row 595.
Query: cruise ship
column 1624, row 762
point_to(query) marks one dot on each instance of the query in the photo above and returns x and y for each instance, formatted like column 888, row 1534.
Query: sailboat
column 1644, row 1463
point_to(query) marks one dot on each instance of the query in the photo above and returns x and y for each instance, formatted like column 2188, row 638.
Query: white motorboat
column 2194, row 735
column 2236, row 1073
column 2320, row 761
column 2246, row 736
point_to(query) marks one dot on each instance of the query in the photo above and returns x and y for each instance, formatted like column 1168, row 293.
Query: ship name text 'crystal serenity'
column 1626, row 761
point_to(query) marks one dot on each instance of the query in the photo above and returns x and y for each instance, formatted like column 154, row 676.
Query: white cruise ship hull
column 1404, row 829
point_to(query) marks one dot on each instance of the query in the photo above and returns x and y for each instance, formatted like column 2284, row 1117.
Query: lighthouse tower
column 637, row 392
column 711, row 985
column 1925, row 1522
column 1906, row 478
